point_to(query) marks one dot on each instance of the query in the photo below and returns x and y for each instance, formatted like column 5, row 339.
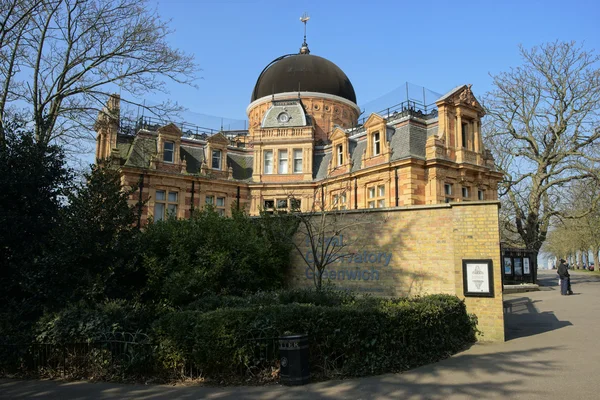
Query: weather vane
column 304, row 19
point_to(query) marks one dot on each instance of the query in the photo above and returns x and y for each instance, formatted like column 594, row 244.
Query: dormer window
column 376, row 144
column 216, row 159
column 168, row 151
column 340, row 155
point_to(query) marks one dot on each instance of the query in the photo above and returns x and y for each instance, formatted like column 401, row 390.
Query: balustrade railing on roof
column 408, row 107
column 130, row 127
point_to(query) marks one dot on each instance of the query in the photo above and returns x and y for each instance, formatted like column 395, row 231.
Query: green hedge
column 363, row 337
column 324, row 297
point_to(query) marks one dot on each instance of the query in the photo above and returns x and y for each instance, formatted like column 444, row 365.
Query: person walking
column 565, row 278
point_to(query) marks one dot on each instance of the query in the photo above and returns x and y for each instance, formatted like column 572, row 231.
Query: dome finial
column 304, row 49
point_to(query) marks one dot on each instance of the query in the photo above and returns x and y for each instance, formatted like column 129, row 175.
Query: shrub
column 81, row 323
column 351, row 339
column 209, row 254
column 324, row 297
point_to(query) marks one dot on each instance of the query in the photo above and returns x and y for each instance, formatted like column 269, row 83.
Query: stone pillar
column 459, row 141
column 476, row 137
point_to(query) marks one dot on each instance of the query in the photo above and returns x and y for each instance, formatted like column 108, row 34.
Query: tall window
column 376, row 196
column 297, row 160
column 465, row 192
column 165, row 205
column 283, row 162
column 168, row 150
column 216, row 159
column 220, row 206
column 448, row 192
column 340, row 155
column 339, row 201
column 268, row 161
column 376, row 144
column 480, row 195
column 465, row 129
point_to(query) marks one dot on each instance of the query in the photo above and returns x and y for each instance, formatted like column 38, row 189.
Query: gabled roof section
column 338, row 133
column 373, row 119
column 461, row 95
column 450, row 93
column 218, row 138
column 170, row 130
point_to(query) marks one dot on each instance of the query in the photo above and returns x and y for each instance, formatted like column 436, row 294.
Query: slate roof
column 359, row 148
column 142, row 150
column 320, row 164
column 408, row 141
column 241, row 164
column 450, row 93
column 193, row 157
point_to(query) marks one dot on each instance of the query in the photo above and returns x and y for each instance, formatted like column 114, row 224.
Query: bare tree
column 322, row 235
column 62, row 58
column 543, row 128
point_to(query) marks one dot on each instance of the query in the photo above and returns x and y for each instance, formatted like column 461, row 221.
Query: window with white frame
column 376, row 196
column 168, row 151
column 338, row 201
column 216, row 159
column 282, row 204
column 340, row 155
column 209, row 200
column 297, row 161
column 376, row 143
column 283, row 162
column 220, row 206
column 165, row 205
column 268, row 154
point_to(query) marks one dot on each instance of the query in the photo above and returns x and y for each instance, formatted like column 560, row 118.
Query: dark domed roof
column 305, row 73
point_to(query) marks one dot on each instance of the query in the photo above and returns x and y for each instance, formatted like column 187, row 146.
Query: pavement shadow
column 522, row 319
column 483, row 374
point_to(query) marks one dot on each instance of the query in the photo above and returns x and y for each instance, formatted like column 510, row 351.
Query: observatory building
column 306, row 148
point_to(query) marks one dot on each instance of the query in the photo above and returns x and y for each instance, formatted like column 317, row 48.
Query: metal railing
column 129, row 127
column 116, row 359
column 408, row 107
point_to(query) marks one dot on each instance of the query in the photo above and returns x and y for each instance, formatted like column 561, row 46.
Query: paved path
column 551, row 353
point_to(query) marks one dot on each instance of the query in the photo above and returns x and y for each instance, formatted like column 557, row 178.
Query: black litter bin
column 293, row 355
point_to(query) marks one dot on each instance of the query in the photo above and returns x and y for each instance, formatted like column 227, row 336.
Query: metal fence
column 114, row 359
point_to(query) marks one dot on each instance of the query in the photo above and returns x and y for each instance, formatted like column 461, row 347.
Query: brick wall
column 414, row 251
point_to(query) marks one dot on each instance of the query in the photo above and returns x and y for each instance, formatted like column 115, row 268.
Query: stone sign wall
column 413, row 251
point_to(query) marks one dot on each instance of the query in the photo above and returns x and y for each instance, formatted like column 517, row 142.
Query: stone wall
column 414, row 251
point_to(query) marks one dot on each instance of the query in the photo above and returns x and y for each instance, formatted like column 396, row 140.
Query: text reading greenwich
column 360, row 266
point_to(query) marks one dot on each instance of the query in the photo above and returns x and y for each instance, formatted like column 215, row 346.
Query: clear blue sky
column 378, row 44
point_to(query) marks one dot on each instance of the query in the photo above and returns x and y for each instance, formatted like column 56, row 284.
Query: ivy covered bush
column 356, row 338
